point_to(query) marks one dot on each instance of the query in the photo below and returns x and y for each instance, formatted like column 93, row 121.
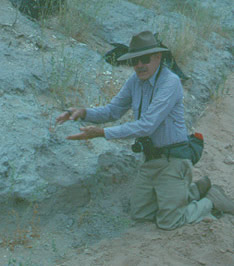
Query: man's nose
column 139, row 63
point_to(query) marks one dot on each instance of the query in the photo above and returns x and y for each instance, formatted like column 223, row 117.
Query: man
column 163, row 191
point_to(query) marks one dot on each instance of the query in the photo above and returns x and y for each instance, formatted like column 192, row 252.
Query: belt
column 169, row 151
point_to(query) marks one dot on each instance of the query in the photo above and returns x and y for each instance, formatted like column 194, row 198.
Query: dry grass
column 73, row 21
column 109, row 88
column 204, row 18
column 181, row 41
column 64, row 80
column 197, row 23
column 23, row 233
column 223, row 88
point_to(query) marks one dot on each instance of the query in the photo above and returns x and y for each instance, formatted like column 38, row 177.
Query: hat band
column 141, row 49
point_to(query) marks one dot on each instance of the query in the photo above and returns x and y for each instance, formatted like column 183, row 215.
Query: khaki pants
column 163, row 192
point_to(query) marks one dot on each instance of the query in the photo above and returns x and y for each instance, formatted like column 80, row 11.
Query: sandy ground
column 207, row 243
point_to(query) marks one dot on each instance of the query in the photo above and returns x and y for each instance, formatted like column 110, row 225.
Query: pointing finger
column 79, row 136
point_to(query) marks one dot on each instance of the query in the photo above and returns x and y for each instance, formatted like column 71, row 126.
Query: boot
column 220, row 201
column 203, row 185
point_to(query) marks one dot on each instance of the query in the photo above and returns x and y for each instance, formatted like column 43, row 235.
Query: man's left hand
column 88, row 133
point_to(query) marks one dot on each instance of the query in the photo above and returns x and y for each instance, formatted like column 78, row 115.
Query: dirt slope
column 208, row 243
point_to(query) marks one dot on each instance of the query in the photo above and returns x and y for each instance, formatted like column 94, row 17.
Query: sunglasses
column 145, row 59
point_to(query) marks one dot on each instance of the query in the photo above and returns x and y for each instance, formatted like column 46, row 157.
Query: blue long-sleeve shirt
column 162, row 119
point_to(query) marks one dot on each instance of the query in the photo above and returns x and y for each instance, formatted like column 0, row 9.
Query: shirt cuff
column 90, row 115
column 113, row 133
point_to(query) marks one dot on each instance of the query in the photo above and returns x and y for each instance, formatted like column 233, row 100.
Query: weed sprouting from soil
column 23, row 232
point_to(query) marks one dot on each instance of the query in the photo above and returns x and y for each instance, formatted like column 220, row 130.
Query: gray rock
column 116, row 20
column 51, row 189
column 228, row 160
column 42, row 72
column 116, row 168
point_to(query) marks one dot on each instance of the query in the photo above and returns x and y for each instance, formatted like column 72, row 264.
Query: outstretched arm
column 88, row 133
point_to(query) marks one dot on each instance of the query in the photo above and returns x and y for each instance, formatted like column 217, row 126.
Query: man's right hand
column 71, row 114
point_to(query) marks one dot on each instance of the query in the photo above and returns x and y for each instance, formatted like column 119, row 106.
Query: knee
column 141, row 216
column 170, row 220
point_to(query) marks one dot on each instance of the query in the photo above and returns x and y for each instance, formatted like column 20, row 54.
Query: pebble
column 77, row 244
column 51, row 189
column 228, row 146
column 22, row 116
column 228, row 160
column 70, row 223
column 222, row 250
column 202, row 262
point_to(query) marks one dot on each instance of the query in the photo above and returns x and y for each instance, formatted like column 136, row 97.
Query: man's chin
column 143, row 76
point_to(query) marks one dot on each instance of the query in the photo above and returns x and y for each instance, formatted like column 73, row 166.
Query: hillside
column 66, row 203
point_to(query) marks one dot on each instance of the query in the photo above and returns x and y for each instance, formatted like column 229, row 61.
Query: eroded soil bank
column 101, row 233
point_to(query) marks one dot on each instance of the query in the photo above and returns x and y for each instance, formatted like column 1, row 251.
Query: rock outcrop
column 43, row 71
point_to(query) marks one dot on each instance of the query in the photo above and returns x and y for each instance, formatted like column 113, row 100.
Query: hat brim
column 140, row 53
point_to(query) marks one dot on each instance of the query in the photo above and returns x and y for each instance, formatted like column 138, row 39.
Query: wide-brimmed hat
column 141, row 44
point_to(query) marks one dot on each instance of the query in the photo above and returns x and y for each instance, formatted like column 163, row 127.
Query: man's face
column 146, row 65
